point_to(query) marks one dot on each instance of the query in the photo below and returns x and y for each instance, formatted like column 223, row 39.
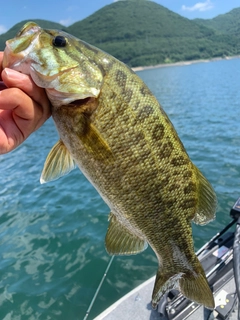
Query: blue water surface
column 52, row 255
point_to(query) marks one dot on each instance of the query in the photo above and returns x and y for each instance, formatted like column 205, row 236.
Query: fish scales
column 114, row 129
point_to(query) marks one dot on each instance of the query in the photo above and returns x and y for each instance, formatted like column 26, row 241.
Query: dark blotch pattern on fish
column 121, row 79
column 158, row 132
column 188, row 203
column 187, row 174
column 173, row 187
column 191, row 187
column 128, row 95
column 179, row 161
column 145, row 91
column 138, row 137
column 144, row 113
column 167, row 149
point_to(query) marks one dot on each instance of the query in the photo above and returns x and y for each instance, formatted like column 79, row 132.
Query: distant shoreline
column 182, row 63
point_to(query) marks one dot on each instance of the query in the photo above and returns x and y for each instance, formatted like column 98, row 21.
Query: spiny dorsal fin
column 207, row 201
column 58, row 163
column 120, row 241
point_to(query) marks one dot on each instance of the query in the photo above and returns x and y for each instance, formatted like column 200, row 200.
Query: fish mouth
column 51, row 83
column 59, row 98
column 17, row 52
column 59, row 80
column 11, row 60
column 60, row 95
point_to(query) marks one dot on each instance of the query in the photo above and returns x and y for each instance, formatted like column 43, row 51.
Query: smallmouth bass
column 113, row 128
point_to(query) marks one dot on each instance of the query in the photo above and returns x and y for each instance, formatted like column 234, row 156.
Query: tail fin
column 163, row 283
column 193, row 285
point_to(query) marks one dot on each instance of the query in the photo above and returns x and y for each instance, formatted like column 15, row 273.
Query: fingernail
column 14, row 75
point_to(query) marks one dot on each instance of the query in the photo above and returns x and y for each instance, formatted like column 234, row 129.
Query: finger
column 1, row 59
column 26, row 112
column 24, row 82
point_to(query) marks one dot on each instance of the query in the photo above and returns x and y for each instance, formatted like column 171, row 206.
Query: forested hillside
column 141, row 32
column 228, row 23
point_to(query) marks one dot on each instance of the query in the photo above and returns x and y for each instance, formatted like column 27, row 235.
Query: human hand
column 24, row 107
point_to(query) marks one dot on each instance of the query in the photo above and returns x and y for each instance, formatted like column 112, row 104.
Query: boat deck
column 216, row 257
column 137, row 305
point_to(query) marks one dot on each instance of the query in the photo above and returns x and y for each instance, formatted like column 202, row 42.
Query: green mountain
column 141, row 32
column 228, row 23
column 227, row 29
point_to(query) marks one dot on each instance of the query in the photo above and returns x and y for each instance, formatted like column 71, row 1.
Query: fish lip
column 7, row 57
column 15, row 55
column 59, row 99
column 14, row 60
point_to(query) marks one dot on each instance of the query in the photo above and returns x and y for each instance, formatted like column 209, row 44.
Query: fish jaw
column 16, row 54
column 57, row 70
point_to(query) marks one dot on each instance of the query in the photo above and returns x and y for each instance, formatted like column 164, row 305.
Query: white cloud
column 3, row 29
column 66, row 22
column 200, row 6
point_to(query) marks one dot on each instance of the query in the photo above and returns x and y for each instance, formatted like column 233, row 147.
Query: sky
column 70, row 11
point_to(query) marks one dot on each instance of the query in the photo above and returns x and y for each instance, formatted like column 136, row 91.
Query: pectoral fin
column 58, row 163
column 119, row 240
column 207, row 201
column 91, row 138
column 95, row 143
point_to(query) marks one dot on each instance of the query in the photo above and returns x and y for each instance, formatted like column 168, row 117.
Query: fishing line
column 98, row 288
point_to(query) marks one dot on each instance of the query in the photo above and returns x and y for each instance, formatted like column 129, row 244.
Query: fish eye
column 59, row 41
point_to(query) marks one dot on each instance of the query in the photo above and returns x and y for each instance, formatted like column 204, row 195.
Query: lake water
column 52, row 255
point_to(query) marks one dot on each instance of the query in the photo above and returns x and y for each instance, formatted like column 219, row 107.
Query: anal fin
column 120, row 241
